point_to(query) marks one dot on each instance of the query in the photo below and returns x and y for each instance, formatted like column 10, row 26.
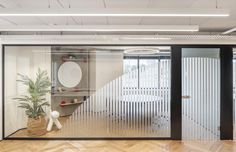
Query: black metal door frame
column 226, row 90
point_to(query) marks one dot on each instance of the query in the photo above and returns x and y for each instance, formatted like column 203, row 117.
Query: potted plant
column 35, row 101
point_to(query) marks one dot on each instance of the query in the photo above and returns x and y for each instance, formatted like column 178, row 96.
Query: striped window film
column 201, row 97
column 121, row 108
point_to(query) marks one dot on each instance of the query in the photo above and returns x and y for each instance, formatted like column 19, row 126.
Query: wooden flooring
column 116, row 146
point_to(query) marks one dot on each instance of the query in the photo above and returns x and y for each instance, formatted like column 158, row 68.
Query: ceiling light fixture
column 141, row 51
column 104, row 28
column 117, row 12
column 145, row 38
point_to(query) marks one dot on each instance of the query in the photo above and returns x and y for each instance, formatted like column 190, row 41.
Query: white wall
column 109, row 66
column 104, row 67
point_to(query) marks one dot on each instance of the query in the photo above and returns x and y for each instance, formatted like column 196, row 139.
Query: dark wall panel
column 226, row 107
column 176, row 121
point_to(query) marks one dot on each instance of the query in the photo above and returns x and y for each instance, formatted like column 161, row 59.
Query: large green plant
column 35, row 99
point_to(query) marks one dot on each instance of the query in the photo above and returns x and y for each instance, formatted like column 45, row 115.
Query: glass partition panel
column 200, row 93
column 234, row 92
column 26, row 61
column 98, row 91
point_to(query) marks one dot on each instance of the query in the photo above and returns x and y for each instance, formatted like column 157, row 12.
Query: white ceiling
column 207, row 24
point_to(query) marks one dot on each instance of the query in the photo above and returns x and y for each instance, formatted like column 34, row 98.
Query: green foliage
column 35, row 100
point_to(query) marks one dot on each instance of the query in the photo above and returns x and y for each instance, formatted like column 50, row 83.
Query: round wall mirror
column 69, row 74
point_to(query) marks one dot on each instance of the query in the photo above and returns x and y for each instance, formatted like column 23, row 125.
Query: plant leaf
column 35, row 101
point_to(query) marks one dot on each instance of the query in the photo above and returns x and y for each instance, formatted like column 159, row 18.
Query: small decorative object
column 59, row 89
column 34, row 102
column 72, row 57
column 62, row 103
column 54, row 119
column 75, row 100
column 72, row 101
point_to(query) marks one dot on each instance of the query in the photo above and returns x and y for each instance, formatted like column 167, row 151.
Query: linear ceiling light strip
column 104, row 28
column 116, row 12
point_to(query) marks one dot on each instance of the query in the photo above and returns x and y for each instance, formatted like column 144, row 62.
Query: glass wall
column 234, row 92
column 99, row 91
column 26, row 61
column 200, row 94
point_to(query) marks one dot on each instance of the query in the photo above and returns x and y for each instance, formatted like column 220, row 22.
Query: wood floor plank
column 117, row 146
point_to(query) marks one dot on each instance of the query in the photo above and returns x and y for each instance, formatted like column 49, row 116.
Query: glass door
column 200, row 93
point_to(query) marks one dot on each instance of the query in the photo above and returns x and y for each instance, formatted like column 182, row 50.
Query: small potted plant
column 35, row 101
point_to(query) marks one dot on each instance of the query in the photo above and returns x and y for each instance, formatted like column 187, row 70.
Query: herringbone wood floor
column 116, row 146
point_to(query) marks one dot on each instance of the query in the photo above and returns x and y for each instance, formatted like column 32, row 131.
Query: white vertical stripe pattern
column 123, row 109
column 200, row 112
column 234, row 96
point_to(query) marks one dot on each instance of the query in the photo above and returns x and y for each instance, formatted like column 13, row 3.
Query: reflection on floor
column 116, row 146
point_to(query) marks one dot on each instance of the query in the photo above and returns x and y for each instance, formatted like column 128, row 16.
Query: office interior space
column 128, row 75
